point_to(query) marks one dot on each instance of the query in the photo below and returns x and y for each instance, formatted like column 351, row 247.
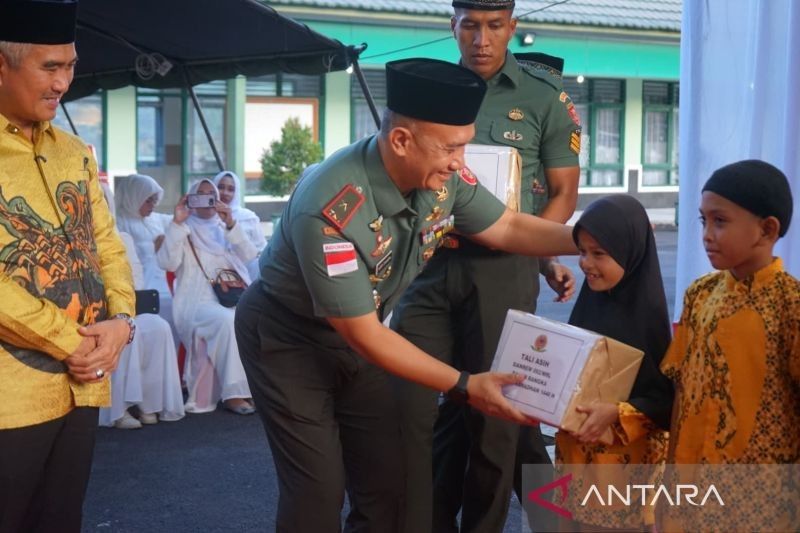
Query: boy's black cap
column 38, row 21
column 485, row 5
column 757, row 186
column 434, row 91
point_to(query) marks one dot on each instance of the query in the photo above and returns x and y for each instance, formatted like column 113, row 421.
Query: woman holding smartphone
column 199, row 242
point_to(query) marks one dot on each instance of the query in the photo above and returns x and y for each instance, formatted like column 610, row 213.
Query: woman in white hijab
column 229, row 187
column 147, row 375
column 136, row 196
column 213, row 367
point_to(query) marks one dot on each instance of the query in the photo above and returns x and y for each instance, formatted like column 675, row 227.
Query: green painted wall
column 337, row 111
column 120, row 127
column 590, row 56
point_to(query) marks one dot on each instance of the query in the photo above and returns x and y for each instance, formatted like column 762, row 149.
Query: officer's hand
column 561, row 280
column 182, row 210
column 485, row 395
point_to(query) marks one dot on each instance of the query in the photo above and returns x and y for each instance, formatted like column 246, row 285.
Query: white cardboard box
column 564, row 366
column 499, row 169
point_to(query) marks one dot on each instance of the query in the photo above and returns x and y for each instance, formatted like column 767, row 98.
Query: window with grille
column 659, row 133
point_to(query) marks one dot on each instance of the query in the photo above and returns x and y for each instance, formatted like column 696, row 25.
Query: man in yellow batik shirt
column 67, row 291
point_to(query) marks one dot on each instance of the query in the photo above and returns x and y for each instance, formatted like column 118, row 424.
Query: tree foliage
column 284, row 161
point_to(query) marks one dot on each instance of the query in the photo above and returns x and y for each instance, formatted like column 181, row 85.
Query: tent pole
column 205, row 126
column 69, row 119
column 365, row 89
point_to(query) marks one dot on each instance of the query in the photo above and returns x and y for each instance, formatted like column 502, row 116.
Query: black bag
column 229, row 285
column 147, row 302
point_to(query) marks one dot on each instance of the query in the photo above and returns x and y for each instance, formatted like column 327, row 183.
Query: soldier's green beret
column 486, row 5
column 434, row 91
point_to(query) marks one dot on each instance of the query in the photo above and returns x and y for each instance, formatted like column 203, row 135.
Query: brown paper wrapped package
column 607, row 376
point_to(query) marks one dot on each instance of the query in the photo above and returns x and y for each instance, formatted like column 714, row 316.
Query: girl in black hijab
column 622, row 298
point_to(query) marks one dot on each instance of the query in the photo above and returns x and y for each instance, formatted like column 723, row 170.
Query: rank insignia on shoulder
column 344, row 205
column 512, row 135
column 330, row 232
column 575, row 141
column 442, row 194
column 376, row 224
column 467, row 176
column 563, row 97
column 516, row 114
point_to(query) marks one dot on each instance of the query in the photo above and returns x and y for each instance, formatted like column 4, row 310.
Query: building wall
column 592, row 53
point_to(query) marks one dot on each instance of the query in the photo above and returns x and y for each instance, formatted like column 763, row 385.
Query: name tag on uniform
column 437, row 231
column 340, row 258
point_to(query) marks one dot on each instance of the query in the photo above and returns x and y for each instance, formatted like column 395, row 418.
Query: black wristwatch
column 131, row 324
column 458, row 393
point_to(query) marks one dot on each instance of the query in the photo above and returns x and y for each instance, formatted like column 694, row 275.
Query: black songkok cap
column 758, row 187
column 38, row 21
column 486, row 5
column 434, row 91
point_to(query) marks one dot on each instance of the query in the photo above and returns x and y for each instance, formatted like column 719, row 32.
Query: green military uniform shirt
column 349, row 242
column 525, row 107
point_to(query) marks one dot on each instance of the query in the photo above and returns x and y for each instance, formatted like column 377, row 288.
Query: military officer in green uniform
column 355, row 232
column 455, row 309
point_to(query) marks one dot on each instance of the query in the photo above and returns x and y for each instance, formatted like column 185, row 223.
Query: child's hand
column 601, row 416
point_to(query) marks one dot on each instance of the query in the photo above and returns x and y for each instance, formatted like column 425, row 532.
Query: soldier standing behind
column 455, row 309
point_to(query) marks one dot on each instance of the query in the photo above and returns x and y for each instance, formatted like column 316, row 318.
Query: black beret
column 434, row 91
column 486, row 5
column 38, row 21
column 756, row 186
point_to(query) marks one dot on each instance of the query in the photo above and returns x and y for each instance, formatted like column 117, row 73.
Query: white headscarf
column 208, row 234
column 133, row 191
column 240, row 213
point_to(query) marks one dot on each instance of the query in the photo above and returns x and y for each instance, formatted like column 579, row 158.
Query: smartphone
column 200, row 200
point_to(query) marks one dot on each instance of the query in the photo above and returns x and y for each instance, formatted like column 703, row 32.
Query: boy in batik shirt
column 735, row 359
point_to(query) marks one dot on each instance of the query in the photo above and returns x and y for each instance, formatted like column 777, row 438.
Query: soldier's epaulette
column 343, row 206
column 542, row 66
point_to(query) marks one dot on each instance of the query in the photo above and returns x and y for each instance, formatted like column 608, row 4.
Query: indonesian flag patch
column 340, row 258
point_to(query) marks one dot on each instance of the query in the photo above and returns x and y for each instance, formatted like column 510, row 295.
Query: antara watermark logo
column 683, row 494
column 630, row 494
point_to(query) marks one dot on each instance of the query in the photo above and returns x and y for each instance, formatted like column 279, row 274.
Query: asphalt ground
column 214, row 473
